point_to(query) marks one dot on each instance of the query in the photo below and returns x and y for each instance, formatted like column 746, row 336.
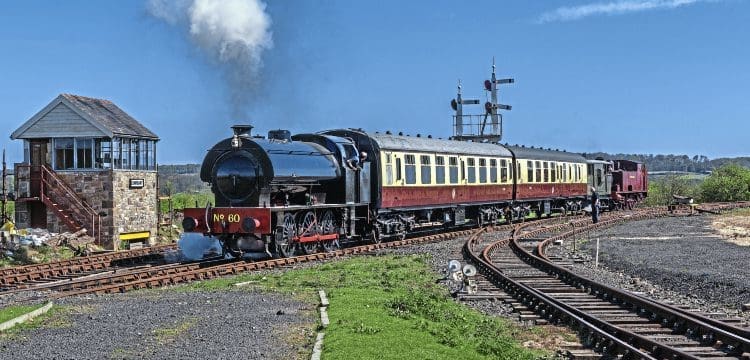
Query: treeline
column 697, row 163
column 175, row 179
column 730, row 182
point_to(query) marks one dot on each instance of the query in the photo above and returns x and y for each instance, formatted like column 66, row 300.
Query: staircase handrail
column 47, row 175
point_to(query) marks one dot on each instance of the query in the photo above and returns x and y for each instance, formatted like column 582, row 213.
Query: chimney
column 242, row 130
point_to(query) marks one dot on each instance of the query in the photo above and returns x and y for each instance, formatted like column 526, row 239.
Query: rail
column 608, row 337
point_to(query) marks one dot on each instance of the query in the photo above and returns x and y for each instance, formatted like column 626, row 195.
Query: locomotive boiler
column 273, row 194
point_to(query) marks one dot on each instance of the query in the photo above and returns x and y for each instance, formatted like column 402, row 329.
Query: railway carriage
column 550, row 180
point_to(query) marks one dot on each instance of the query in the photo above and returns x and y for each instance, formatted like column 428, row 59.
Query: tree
column 660, row 191
column 730, row 182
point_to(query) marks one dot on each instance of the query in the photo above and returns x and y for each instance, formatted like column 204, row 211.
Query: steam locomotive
column 285, row 194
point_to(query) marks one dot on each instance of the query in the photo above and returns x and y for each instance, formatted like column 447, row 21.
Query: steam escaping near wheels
column 195, row 246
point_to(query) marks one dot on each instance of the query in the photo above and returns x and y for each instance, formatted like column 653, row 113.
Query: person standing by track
column 594, row 205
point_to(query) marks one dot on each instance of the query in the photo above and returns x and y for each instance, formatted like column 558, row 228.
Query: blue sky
column 646, row 76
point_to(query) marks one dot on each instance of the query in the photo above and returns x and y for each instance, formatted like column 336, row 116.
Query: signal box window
column 493, row 171
column 426, row 169
column 64, row 153
column 410, row 169
column 453, row 169
column 483, row 171
column 440, row 170
column 84, row 152
column 471, row 168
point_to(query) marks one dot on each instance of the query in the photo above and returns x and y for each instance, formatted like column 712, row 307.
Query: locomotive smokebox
column 242, row 130
column 280, row 135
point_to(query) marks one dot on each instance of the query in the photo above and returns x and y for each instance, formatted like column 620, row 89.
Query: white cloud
column 569, row 13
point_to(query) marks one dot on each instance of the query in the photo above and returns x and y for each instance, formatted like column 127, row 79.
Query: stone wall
column 124, row 209
column 135, row 208
column 94, row 188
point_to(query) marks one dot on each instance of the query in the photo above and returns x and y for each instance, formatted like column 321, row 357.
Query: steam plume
column 233, row 33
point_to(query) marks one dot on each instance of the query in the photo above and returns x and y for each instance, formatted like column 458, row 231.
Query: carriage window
column 564, row 174
column 410, row 169
column 493, row 171
column 471, row 169
column 440, row 170
column 388, row 169
column 538, row 168
column 517, row 174
column 398, row 169
column 453, row 169
column 426, row 169
column 553, row 171
column 503, row 170
column 546, row 171
column 483, row 171
column 530, row 171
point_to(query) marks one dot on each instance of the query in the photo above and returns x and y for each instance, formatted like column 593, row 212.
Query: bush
column 730, row 182
column 660, row 190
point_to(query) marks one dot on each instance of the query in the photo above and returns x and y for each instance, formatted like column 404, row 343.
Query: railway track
column 613, row 322
column 31, row 276
column 108, row 273
column 172, row 274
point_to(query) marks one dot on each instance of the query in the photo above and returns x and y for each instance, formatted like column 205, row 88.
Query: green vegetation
column 728, row 183
column 10, row 209
column 390, row 308
column 166, row 335
column 35, row 255
column 12, row 312
column 660, row 191
column 56, row 317
column 188, row 200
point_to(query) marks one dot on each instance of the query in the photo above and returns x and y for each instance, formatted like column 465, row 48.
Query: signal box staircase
column 60, row 198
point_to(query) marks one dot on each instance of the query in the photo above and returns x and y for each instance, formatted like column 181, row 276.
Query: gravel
column 675, row 259
column 235, row 324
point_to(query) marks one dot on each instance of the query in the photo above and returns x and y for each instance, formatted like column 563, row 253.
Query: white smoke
column 233, row 33
column 194, row 246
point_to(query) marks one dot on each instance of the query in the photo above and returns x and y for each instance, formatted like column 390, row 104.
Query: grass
column 167, row 335
column 56, row 317
column 389, row 307
column 35, row 255
column 12, row 312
